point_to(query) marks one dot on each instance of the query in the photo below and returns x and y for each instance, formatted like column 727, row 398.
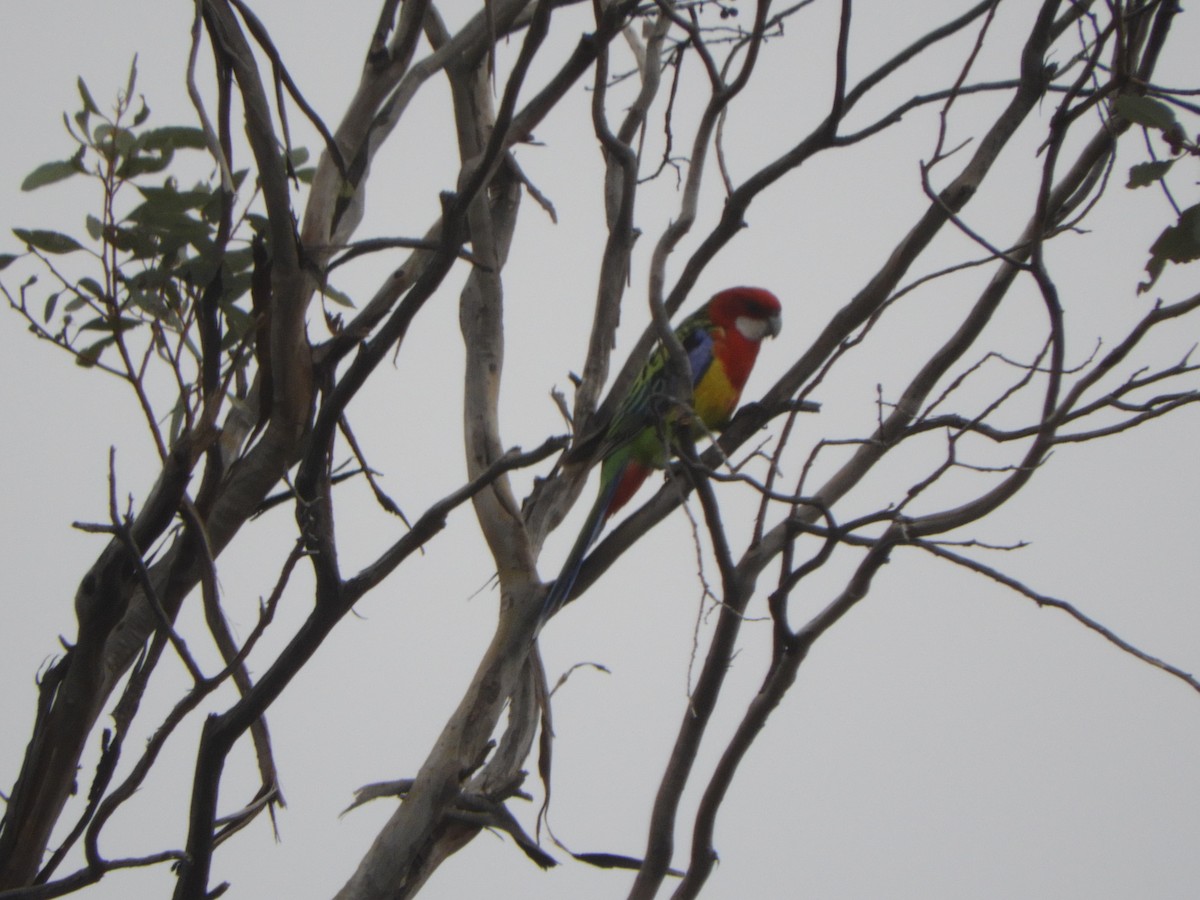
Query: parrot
column 721, row 340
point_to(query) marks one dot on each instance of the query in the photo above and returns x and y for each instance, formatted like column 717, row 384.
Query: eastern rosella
column 721, row 341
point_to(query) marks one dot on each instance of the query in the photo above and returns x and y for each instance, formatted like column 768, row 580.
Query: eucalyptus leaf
column 48, row 241
column 148, row 303
column 136, row 163
column 240, row 259
column 1145, row 111
column 173, row 137
column 132, row 82
column 1178, row 243
column 135, row 241
column 49, row 173
column 171, row 199
column 113, row 141
column 239, row 324
column 92, row 287
column 89, row 356
column 333, row 294
column 235, row 286
column 89, row 105
column 103, row 323
column 176, row 427
column 1147, row 173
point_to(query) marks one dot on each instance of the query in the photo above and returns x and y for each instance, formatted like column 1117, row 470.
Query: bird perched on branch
column 721, row 340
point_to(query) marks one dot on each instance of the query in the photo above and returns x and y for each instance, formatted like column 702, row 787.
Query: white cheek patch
column 753, row 329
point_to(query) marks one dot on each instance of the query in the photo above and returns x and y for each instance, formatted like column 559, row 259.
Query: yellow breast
column 714, row 398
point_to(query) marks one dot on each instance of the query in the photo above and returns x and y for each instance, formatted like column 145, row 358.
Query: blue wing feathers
column 699, row 347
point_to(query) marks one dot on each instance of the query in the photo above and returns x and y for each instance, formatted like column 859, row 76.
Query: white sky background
column 947, row 739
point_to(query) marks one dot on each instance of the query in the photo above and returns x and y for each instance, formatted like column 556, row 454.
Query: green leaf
column 142, row 114
column 239, row 260
column 176, row 421
column 333, row 294
column 148, row 303
column 6, row 260
column 150, row 279
column 103, row 323
column 260, row 223
column 235, row 286
column 176, row 300
column 1145, row 111
column 94, row 227
column 137, row 163
column 134, row 241
column 51, row 302
column 89, row 105
column 240, row 323
column 48, row 241
column 1147, row 173
column 173, row 137
column 211, row 211
column 92, row 287
column 165, row 214
column 90, row 355
column 190, row 344
column 76, row 303
column 168, row 199
column 1179, row 243
column 198, row 270
column 113, row 142
column 129, row 85
column 48, row 173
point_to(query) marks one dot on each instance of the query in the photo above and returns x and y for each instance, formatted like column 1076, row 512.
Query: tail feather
column 560, row 591
column 625, row 486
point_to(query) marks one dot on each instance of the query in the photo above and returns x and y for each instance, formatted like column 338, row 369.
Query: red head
column 753, row 313
column 741, row 317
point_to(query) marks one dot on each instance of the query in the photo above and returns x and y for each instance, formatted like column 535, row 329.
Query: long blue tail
column 560, row 591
